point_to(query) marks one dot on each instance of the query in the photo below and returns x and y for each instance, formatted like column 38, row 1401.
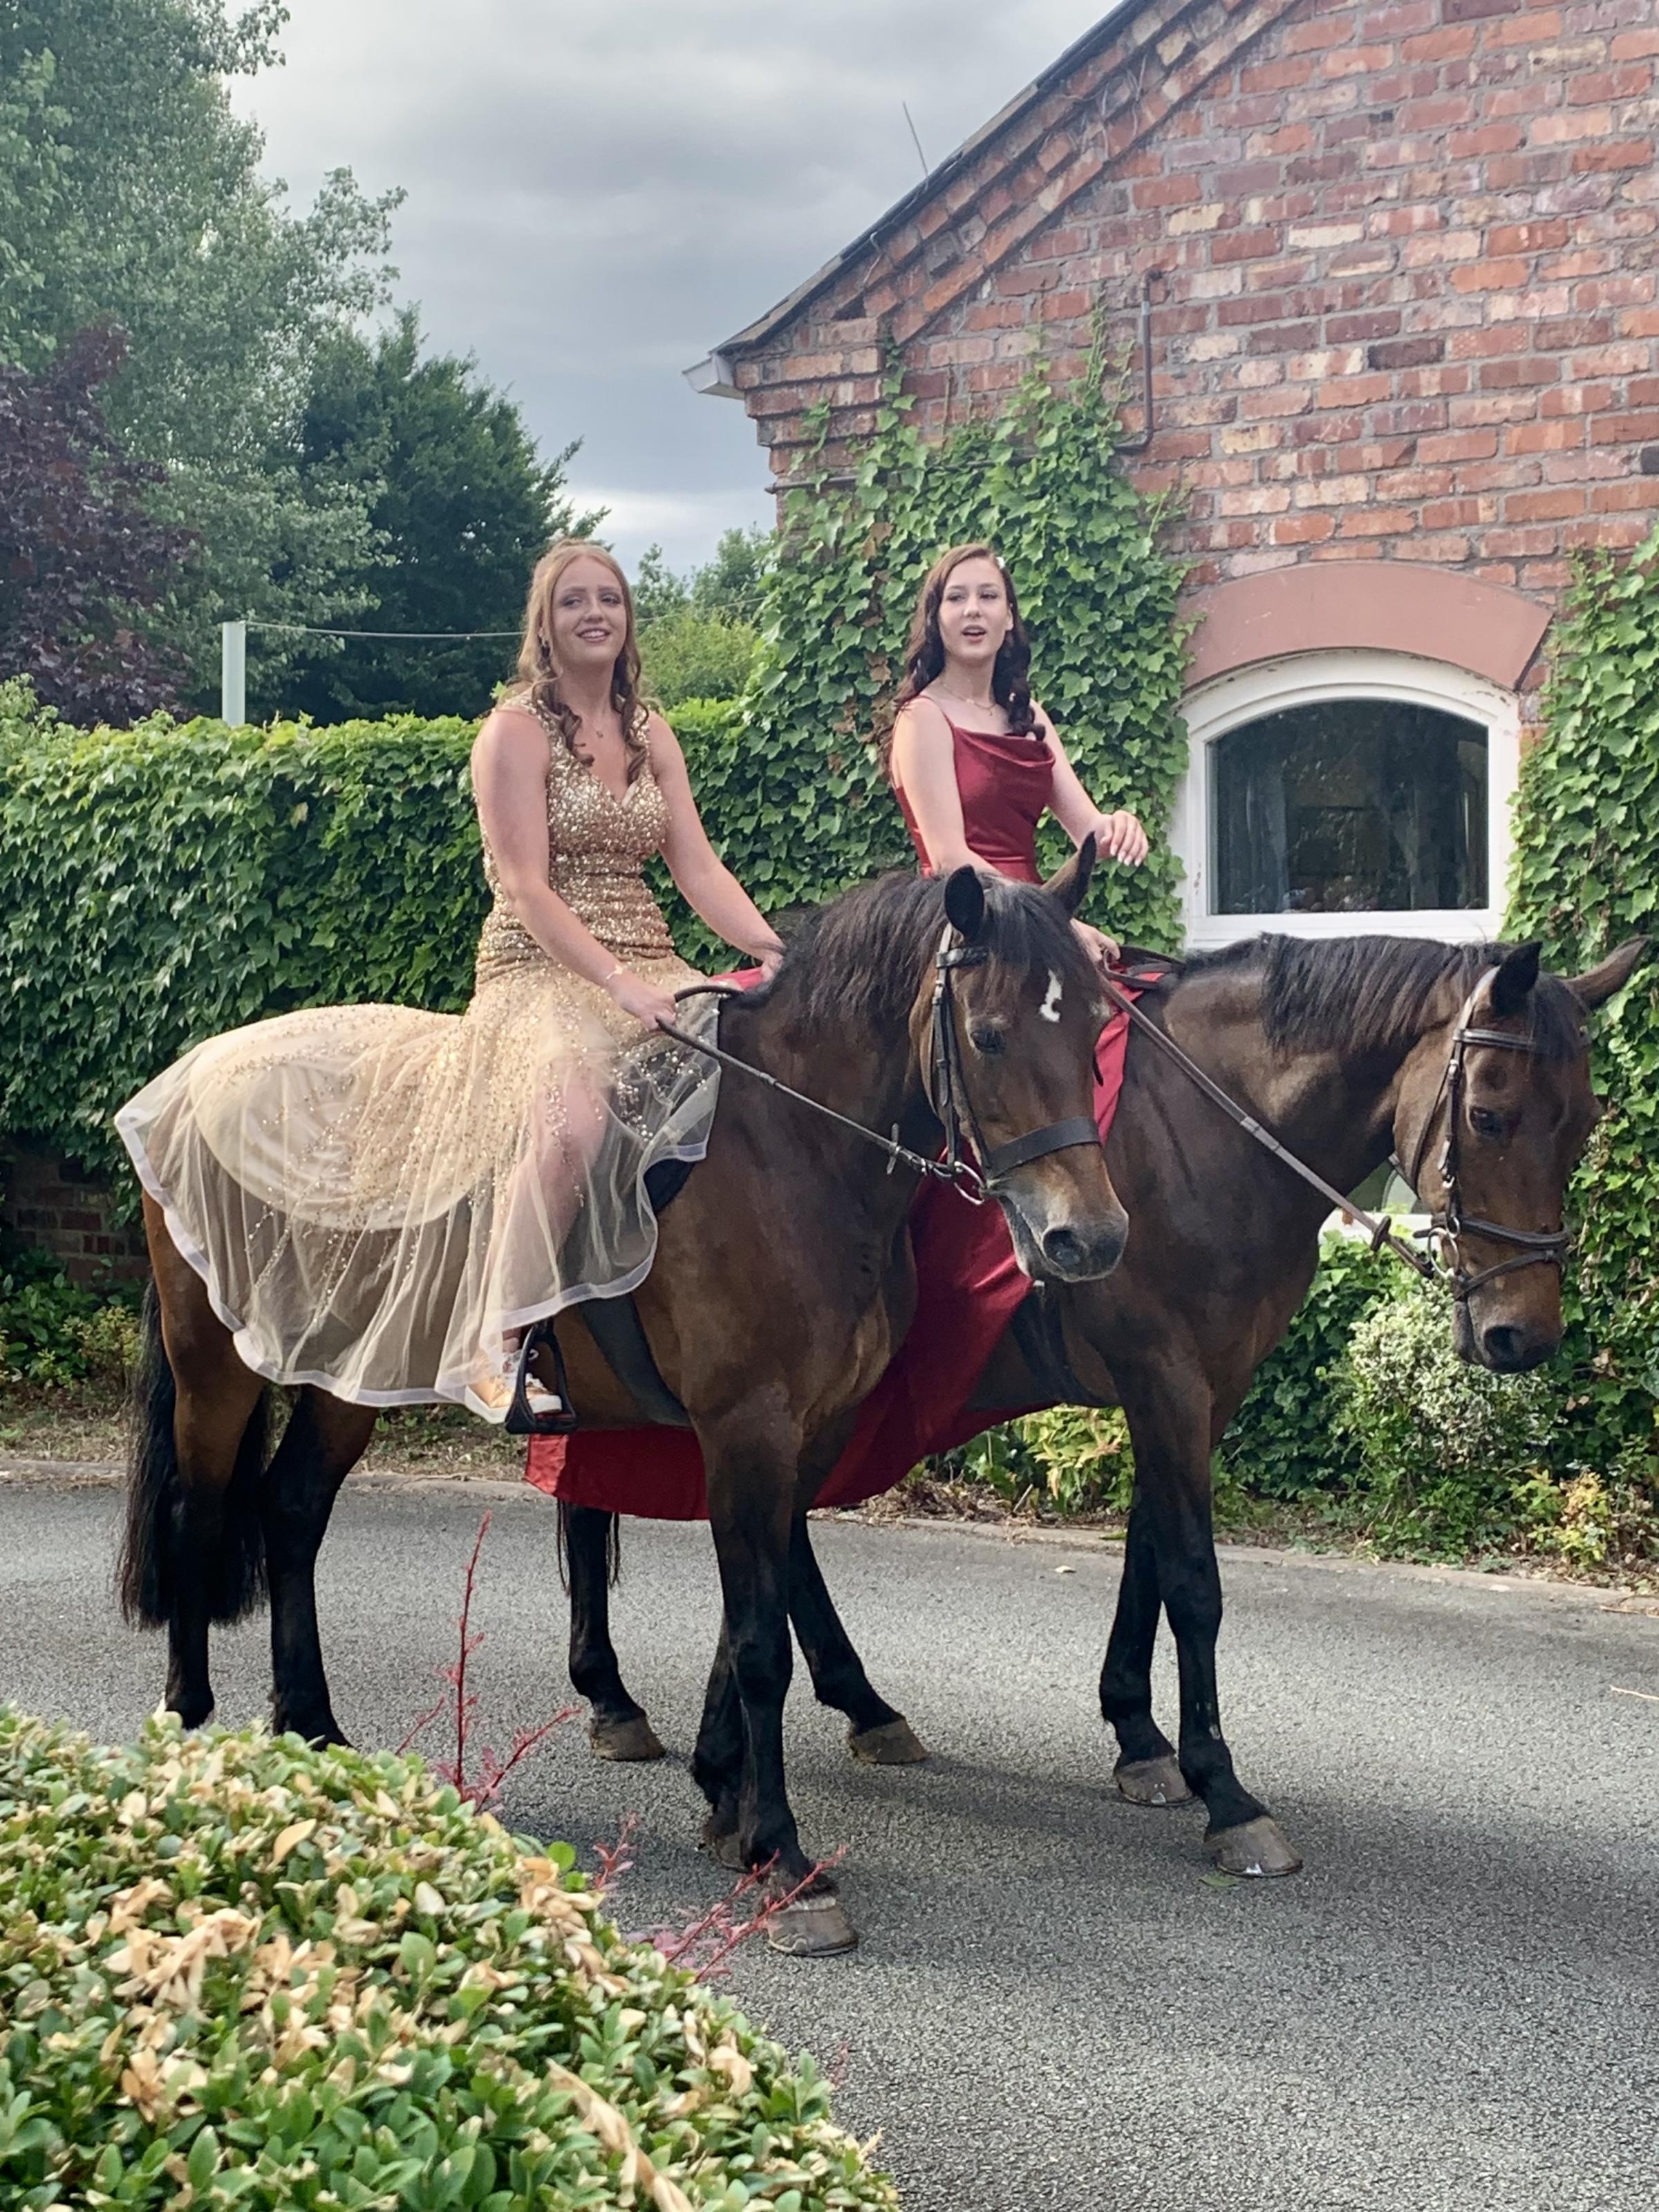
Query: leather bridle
column 947, row 1090
column 1545, row 1248
column 977, row 1178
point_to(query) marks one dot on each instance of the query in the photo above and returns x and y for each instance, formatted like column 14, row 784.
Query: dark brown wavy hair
column 924, row 652
column 538, row 676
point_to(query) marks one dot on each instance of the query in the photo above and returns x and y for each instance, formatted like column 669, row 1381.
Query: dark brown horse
column 782, row 1284
column 1464, row 1063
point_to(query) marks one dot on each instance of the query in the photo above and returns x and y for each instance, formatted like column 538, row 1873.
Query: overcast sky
column 599, row 195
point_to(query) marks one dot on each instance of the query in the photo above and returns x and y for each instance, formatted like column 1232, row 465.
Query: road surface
column 1054, row 2004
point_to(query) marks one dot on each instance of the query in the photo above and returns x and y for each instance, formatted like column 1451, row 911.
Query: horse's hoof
column 895, row 1743
column 723, row 1847
column 813, row 1927
column 1152, row 1781
column 1256, row 1848
column 626, row 1741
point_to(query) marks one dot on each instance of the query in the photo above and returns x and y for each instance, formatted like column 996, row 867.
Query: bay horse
column 782, row 1283
column 1466, row 1064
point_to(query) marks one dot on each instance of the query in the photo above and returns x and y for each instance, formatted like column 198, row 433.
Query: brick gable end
column 1410, row 305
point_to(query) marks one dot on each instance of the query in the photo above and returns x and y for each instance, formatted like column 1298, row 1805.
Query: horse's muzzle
column 1065, row 1245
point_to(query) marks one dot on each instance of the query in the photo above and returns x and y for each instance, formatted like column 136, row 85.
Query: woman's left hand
column 1102, row 951
column 770, row 962
column 1121, row 837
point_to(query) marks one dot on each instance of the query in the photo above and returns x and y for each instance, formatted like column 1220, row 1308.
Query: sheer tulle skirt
column 375, row 1196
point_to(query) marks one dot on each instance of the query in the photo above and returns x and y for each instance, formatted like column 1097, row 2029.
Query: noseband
column 948, row 1089
column 1547, row 1248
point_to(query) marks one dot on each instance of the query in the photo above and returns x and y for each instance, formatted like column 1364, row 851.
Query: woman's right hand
column 657, row 1009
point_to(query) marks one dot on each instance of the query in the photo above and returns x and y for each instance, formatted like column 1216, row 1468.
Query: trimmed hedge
column 240, row 1972
column 160, row 884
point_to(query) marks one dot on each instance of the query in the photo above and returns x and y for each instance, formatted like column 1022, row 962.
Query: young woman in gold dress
column 381, row 1200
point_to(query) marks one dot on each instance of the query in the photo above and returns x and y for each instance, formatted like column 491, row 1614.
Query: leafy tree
column 80, row 560
column 462, row 508
column 129, row 192
column 692, row 656
column 733, row 583
column 697, row 632
column 659, row 594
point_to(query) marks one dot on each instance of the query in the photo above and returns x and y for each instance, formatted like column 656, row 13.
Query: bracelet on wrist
column 606, row 980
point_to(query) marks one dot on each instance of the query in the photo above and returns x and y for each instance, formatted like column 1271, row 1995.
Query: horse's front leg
column 1147, row 1770
column 324, row 1440
column 1170, row 1412
column 616, row 1728
column 751, row 1461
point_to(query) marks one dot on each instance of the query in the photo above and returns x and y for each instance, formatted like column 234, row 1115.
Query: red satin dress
column 967, row 1282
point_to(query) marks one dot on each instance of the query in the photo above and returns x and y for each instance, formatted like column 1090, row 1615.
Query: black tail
column 612, row 1546
column 146, row 1578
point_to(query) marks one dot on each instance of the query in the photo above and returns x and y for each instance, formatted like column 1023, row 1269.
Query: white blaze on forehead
column 1050, row 1007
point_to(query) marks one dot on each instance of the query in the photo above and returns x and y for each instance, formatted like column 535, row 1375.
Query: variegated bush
column 237, row 1971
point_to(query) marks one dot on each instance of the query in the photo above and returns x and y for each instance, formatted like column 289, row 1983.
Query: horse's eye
column 984, row 1039
column 1485, row 1124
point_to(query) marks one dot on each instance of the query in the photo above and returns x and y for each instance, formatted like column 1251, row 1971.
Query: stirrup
column 522, row 1418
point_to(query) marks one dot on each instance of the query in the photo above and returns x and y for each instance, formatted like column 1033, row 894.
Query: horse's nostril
column 1512, row 1351
column 1063, row 1247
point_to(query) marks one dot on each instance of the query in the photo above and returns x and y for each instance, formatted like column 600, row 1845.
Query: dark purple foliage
column 80, row 558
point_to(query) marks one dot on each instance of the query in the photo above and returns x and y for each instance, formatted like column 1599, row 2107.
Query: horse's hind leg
column 191, row 1552
column 876, row 1732
column 1148, row 1772
column 323, row 1441
column 617, row 1727
column 1170, row 1414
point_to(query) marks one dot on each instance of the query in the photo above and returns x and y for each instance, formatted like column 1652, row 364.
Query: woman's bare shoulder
column 512, row 733
column 922, row 717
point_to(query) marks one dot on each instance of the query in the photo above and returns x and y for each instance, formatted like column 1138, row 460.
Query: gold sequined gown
column 375, row 1196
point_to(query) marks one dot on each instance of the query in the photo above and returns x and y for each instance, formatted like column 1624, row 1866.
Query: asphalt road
column 1453, row 2005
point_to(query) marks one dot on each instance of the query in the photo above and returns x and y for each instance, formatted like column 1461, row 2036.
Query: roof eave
column 756, row 332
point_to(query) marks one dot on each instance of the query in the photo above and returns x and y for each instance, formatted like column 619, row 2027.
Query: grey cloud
column 596, row 196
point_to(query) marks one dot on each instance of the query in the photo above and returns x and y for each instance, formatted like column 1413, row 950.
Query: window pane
column 1351, row 806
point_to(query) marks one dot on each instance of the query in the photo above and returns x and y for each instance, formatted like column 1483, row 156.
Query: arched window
column 1329, row 792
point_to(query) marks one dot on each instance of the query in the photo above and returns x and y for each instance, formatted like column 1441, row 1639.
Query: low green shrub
column 55, row 1335
column 1282, row 1443
column 240, row 1972
column 1452, row 1460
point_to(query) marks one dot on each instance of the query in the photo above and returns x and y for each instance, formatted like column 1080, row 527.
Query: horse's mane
column 856, row 960
column 1375, row 994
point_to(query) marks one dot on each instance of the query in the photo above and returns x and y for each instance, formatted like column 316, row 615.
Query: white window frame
column 1304, row 679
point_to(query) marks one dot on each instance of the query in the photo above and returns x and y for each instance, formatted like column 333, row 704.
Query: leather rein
column 976, row 1178
column 1547, row 1248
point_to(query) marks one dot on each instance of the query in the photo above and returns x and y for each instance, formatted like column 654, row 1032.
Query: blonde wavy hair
column 539, row 674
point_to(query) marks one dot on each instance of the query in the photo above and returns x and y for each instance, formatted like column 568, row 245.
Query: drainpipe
column 1141, row 444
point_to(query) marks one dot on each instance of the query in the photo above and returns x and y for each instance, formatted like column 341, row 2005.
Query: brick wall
column 1412, row 299
column 57, row 1205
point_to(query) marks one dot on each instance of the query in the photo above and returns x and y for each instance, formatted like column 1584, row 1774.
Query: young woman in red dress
column 973, row 759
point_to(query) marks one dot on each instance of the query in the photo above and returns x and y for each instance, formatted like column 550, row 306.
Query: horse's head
column 1494, row 1111
column 1005, row 1031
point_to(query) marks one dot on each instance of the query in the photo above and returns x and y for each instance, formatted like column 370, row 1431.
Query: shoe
column 490, row 1393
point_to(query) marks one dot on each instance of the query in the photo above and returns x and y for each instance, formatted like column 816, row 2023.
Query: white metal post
column 233, row 672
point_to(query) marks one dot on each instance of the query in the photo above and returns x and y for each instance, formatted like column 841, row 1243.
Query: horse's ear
column 1597, row 985
column 1517, row 971
column 964, row 904
column 1070, row 885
